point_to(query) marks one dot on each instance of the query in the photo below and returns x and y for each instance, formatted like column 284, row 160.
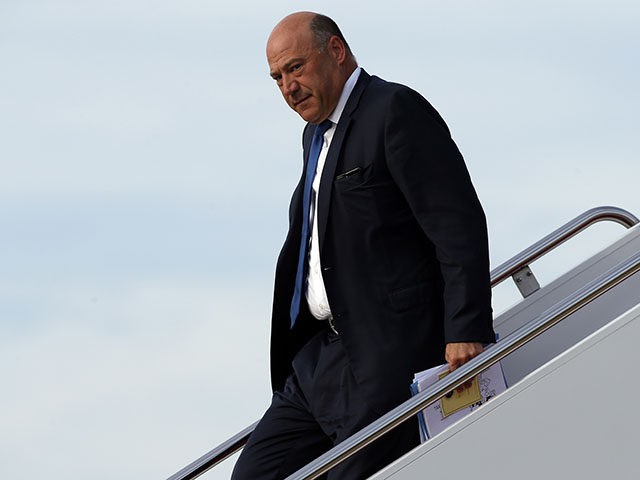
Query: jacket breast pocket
column 349, row 173
column 352, row 177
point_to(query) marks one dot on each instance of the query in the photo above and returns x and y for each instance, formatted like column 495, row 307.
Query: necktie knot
column 322, row 128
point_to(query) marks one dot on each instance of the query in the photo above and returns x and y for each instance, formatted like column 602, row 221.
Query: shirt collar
column 344, row 96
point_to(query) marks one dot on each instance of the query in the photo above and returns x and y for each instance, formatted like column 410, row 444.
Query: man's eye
column 296, row 67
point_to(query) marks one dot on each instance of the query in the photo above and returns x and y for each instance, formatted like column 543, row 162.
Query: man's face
column 310, row 80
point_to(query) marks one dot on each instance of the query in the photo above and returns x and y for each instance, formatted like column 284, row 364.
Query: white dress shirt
column 315, row 292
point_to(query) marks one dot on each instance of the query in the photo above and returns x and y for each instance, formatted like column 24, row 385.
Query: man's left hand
column 457, row 354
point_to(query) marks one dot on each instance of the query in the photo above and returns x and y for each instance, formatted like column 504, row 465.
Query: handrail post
column 559, row 236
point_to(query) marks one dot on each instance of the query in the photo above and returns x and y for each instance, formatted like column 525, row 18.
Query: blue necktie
column 312, row 164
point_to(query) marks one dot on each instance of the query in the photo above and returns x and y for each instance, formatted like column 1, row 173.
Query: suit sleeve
column 428, row 168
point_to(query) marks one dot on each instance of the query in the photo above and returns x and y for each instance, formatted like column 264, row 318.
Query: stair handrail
column 215, row 456
column 559, row 236
column 499, row 274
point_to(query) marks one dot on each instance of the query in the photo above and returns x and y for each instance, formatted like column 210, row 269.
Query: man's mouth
column 298, row 102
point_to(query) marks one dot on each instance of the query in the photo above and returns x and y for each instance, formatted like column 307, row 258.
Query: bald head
column 310, row 61
column 322, row 27
column 293, row 22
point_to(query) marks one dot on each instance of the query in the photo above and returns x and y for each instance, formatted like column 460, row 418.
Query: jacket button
column 326, row 269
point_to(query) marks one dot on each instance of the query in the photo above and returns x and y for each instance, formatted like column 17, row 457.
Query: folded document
column 455, row 405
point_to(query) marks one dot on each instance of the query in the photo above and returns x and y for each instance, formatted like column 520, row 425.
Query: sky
column 146, row 165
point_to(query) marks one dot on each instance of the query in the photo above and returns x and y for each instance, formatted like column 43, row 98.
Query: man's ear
column 337, row 49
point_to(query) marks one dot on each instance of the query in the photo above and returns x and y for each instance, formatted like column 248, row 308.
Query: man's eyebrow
column 294, row 60
column 287, row 65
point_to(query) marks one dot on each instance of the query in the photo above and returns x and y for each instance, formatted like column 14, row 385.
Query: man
column 384, row 271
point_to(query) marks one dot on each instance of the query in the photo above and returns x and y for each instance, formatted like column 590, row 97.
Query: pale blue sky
column 146, row 164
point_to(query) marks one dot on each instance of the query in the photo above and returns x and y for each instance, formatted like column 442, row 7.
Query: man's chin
column 307, row 112
column 309, row 116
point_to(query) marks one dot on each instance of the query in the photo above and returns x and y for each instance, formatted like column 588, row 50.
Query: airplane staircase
column 569, row 354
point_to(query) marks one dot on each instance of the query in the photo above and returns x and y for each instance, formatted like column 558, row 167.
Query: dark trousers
column 320, row 406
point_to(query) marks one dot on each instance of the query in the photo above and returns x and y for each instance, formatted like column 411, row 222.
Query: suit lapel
column 329, row 170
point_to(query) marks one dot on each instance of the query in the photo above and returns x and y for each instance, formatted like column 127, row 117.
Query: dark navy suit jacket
column 403, row 245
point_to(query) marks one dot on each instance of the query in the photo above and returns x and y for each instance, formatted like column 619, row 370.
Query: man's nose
column 289, row 85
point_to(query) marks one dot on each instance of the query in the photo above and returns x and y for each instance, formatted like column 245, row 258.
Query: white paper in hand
column 455, row 405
